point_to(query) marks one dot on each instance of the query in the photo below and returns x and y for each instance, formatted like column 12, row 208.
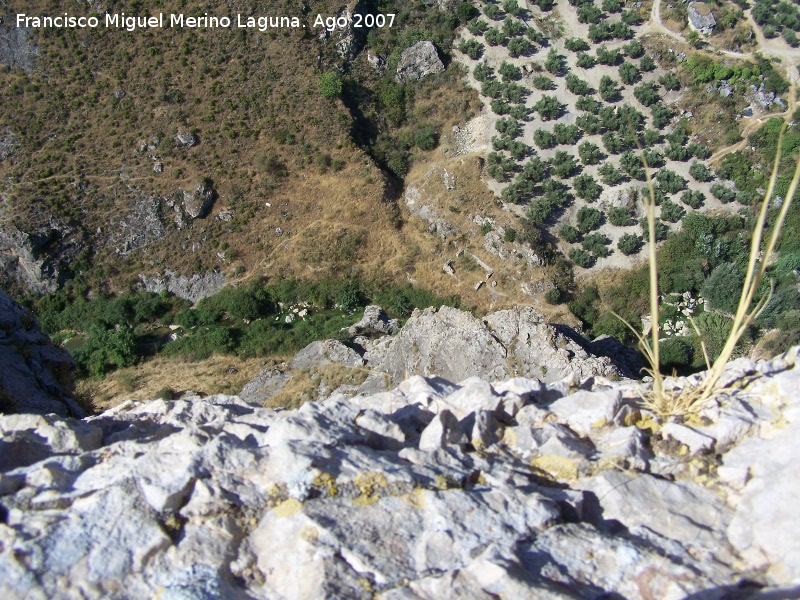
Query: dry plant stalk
column 691, row 400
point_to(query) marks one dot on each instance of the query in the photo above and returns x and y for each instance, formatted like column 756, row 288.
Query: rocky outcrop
column 348, row 40
column 194, row 288
column 8, row 145
column 419, row 60
column 515, row 342
column 374, row 322
column 36, row 377
column 197, row 202
column 456, row 345
column 141, row 226
column 185, row 138
column 15, row 49
column 435, row 489
column 38, row 260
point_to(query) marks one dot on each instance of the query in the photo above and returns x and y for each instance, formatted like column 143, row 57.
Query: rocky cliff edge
column 435, row 489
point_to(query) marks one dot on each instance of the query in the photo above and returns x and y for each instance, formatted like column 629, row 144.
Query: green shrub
column 543, row 82
column 723, row 287
column 589, row 153
column 693, row 198
column 544, row 139
column 330, row 84
column 671, row 212
column 106, row 349
column 620, row 216
column 580, row 257
column 675, row 353
column 568, row 233
column 629, row 244
column 472, row 48
column 588, row 218
column 586, row 187
column 553, row 296
column 425, row 138
column 596, row 243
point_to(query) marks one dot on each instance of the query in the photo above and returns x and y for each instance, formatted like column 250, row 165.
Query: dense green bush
column 675, row 353
column 563, row 164
column 629, row 243
column 586, row 187
column 555, row 62
column 472, row 48
column 330, row 84
column 620, row 216
column 693, row 198
column 671, row 212
column 700, row 171
column 425, row 138
column 589, row 153
column 105, row 349
column 588, row 218
column 543, row 82
column 553, row 296
column 580, row 257
column 723, row 288
column 576, row 44
column 585, row 60
column 566, row 135
column 597, row 244
column 628, row 73
column 610, row 174
column 548, row 107
column 568, row 233
column 544, row 139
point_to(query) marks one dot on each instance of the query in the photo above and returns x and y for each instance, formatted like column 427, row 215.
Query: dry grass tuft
column 693, row 399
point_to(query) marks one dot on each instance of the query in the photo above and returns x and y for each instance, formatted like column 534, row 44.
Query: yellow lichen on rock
column 288, row 507
column 326, row 482
column 416, row 498
column 369, row 484
column 558, row 467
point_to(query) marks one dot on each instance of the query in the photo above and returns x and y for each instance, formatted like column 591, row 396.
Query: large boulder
column 198, row 200
column 36, row 377
column 456, row 345
column 417, row 61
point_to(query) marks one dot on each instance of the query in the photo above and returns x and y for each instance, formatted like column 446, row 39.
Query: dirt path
column 754, row 124
column 789, row 57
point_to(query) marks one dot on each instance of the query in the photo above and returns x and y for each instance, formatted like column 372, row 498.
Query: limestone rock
column 36, row 377
column 198, row 201
column 15, row 48
column 417, row 61
column 193, row 288
column 442, row 431
column 374, row 321
column 326, row 352
column 393, row 495
column 185, row 138
column 585, row 411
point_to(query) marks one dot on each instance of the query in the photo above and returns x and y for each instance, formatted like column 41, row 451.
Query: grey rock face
column 374, row 321
column 456, row 345
column 419, row 60
column 38, row 260
column 325, row 352
column 36, row 377
column 411, row 493
column 198, row 202
column 8, row 145
column 185, row 138
column 15, row 49
column 194, row 288
column 141, row 226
